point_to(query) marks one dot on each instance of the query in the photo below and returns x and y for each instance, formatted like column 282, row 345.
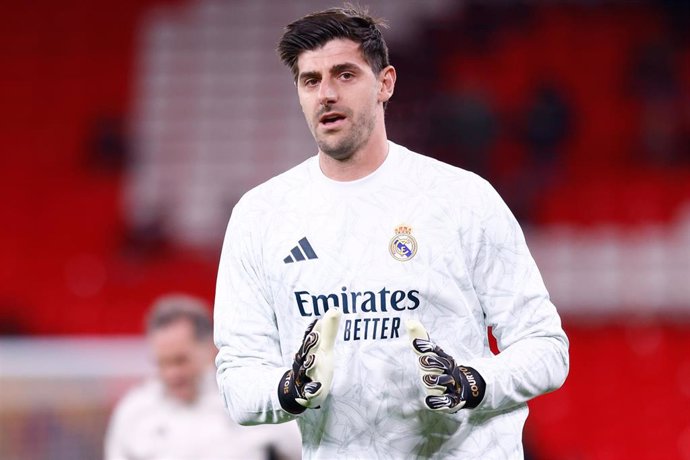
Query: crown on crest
column 403, row 230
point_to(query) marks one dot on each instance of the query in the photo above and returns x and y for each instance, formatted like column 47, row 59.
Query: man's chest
column 165, row 432
column 378, row 264
column 353, row 243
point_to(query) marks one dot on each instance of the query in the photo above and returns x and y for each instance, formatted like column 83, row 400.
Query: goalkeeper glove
column 308, row 383
column 449, row 387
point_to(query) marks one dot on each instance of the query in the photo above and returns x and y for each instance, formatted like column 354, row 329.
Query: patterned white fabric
column 463, row 265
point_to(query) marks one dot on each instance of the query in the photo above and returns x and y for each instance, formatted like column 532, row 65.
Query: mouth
column 332, row 119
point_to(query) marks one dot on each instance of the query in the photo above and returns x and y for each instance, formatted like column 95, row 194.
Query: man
column 180, row 415
column 379, row 244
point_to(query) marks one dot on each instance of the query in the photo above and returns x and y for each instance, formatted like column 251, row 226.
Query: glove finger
column 415, row 330
column 431, row 385
column 310, row 341
column 423, row 346
column 430, row 366
column 321, row 365
column 439, row 351
column 437, row 402
column 434, row 363
column 444, row 403
column 309, row 362
column 328, row 329
column 311, row 389
column 436, row 381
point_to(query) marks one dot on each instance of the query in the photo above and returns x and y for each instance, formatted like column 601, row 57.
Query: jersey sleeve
column 533, row 357
column 245, row 330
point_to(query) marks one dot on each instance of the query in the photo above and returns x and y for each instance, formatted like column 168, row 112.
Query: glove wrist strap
column 286, row 395
column 473, row 386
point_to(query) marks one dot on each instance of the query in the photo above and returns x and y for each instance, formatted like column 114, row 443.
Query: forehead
column 333, row 52
column 179, row 333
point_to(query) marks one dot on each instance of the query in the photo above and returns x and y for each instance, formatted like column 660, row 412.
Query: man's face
column 340, row 97
column 181, row 359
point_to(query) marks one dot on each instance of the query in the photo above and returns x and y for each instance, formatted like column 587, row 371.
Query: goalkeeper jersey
column 417, row 238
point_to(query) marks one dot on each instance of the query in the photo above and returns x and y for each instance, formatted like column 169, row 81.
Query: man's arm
column 255, row 384
column 249, row 364
column 533, row 357
column 534, row 348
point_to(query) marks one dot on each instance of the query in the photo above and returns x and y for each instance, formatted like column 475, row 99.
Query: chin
column 339, row 156
column 186, row 397
column 341, row 152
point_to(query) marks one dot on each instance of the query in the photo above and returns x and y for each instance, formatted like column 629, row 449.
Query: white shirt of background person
column 179, row 414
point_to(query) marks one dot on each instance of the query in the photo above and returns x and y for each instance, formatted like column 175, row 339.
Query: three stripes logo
column 298, row 255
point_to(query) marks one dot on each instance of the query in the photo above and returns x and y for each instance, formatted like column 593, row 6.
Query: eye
column 310, row 82
column 347, row 76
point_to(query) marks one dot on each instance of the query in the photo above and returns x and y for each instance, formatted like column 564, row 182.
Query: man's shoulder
column 276, row 187
column 431, row 171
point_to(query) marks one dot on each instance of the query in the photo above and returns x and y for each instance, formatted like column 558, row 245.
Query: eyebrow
column 336, row 69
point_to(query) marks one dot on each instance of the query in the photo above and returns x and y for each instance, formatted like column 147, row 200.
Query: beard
column 343, row 145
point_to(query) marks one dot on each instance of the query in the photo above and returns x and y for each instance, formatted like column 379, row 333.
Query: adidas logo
column 298, row 255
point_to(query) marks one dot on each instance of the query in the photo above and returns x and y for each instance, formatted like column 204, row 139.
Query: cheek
column 303, row 103
column 168, row 371
column 379, row 94
column 306, row 112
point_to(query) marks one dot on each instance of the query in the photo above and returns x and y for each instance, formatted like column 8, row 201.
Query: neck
column 363, row 162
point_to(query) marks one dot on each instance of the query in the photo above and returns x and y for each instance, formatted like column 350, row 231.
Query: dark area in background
column 546, row 100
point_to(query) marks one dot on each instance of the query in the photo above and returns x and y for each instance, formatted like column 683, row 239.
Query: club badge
column 403, row 246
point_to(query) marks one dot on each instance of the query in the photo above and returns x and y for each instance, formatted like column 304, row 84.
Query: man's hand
column 308, row 383
column 449, row 387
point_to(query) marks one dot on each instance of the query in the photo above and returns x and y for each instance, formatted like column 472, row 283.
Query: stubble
column 345, row 145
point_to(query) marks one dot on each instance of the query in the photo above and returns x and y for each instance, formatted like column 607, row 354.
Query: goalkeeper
column 355, row 290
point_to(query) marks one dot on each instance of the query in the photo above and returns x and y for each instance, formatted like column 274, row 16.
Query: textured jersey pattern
column 415, row 239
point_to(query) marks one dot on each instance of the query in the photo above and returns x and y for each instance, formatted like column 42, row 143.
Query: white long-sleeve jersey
column 419, row 239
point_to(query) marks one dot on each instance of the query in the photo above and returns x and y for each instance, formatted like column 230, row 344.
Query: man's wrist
column 473, row 386
column 286, row 394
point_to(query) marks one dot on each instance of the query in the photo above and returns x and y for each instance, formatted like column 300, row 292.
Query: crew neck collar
column 367, row 181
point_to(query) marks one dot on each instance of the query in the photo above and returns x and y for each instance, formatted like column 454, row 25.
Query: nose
column 327, row 92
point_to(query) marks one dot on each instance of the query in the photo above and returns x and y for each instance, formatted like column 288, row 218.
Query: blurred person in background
column 179, row 414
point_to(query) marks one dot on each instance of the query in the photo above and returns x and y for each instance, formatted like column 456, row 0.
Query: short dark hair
column 315, row 30
column 171, row 308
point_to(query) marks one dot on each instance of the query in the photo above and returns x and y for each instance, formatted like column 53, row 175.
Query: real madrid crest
column 403, row 246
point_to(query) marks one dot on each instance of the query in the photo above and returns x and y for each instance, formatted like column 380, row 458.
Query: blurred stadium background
column 130, row 128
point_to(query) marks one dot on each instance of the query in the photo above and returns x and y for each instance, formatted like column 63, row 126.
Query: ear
column 387, row 78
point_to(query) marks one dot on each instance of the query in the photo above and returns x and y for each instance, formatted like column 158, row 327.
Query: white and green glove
column 308, row 383
column 449, row 387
